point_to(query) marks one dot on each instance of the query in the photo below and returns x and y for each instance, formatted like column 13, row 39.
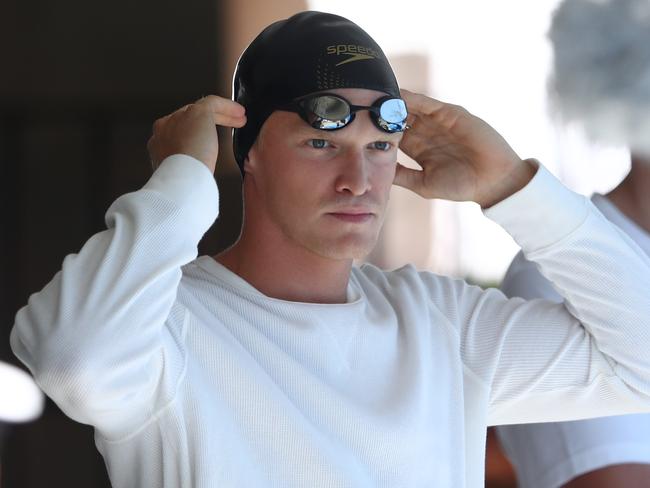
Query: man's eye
column 318, row 143
column 381, row 145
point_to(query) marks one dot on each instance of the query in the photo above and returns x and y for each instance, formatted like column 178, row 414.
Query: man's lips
column 353, row 215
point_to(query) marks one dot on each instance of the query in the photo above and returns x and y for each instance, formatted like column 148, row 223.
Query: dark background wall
column 80, row 85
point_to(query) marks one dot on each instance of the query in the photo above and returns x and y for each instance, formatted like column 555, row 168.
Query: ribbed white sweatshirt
column 192, row 378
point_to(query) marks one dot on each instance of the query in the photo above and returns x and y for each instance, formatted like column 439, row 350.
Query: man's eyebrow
column 389, row 136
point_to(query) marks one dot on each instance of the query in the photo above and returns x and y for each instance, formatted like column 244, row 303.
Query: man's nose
column 354, row 173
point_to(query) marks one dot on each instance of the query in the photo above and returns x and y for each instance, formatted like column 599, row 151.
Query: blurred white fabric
column 21, row 400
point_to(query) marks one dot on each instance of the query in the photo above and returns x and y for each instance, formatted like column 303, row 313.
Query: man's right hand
column 191, row 130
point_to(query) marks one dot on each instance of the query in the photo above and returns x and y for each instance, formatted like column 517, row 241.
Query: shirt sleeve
column 548, row 455
column 97, row 337
column 584, row 357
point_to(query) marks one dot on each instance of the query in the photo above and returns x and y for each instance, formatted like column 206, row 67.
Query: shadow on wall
column 81, row 85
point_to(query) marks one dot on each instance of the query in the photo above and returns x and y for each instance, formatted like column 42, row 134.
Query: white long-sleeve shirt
column 549, row 455
column 193, row 378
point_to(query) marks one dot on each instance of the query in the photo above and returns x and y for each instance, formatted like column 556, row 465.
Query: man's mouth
column 356, row 215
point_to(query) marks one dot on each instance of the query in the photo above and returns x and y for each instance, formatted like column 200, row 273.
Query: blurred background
column 81, row 84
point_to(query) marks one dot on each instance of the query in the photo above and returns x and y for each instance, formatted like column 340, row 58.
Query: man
column 602, row 81
column 278, row 363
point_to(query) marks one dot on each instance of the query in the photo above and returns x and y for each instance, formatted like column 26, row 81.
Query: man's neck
column 286, row 271
column 632, row 196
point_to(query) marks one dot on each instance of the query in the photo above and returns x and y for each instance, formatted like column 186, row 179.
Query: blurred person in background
column 601, row 79
column 278, row 362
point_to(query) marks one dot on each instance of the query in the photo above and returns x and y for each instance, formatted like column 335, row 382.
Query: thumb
column 408, row 178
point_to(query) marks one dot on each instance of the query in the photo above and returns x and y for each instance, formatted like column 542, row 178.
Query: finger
column 224, row 111
column 416, row 141
column 410, row 120
column 419, row 124
column 222, row 105
column 150, row 144
column 436, row 126
column 229, row 121
column 160, row 122
column 408, row 178
column 178, row 111
column 151, row 149
column 420, row 104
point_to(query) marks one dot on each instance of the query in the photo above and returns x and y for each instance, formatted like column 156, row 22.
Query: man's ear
column 248, row 166
column 251, row 159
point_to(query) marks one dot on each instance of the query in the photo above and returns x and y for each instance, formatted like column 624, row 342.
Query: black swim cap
column 306, row 53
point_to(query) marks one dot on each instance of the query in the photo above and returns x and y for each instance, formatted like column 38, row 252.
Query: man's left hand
column 461, row 156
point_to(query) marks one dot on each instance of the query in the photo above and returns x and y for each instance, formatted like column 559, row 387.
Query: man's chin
column 346, row 249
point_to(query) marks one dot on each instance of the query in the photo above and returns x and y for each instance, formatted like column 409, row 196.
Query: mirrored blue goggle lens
column 392, row 115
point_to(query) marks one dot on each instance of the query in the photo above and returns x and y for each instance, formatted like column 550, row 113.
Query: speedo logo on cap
column 356, row 53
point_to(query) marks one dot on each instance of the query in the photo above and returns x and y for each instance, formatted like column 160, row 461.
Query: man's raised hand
column 191, row 130
column 462, row 157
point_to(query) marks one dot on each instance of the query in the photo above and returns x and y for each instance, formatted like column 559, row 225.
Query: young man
column 279, row 363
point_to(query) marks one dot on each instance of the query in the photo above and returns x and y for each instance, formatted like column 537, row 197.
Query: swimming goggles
column 326, row 111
